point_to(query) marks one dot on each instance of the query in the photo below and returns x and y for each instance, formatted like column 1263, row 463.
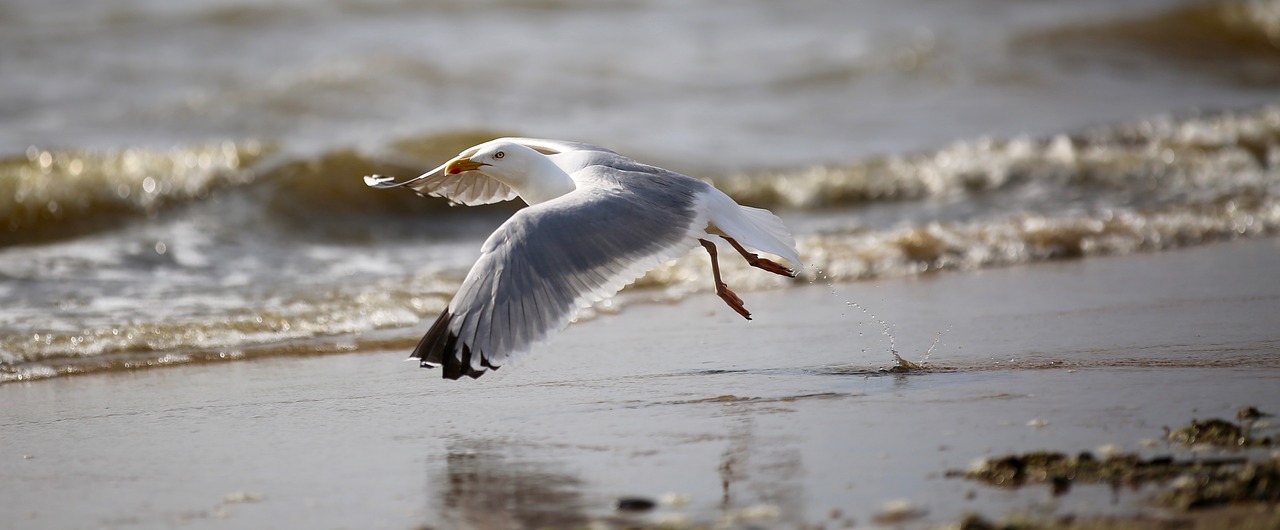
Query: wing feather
column 550, row 260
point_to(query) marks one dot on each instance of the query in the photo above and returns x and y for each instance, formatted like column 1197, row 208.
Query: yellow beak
column 458, row 165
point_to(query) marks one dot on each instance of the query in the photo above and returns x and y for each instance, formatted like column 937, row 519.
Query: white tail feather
column 754, row 227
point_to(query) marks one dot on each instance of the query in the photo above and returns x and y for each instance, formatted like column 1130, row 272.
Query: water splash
column 937, row 339
column 885, row 328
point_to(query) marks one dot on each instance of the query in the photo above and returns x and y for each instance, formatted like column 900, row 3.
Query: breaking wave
column 1156, row 184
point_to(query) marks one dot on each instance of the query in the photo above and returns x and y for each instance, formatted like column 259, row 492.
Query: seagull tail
column 441, row 347
column 757, row 228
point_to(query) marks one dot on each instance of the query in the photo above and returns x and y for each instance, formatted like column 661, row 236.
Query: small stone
column 1060, row 485
column 1250, row 414
column 974, row 521
column 636, row 504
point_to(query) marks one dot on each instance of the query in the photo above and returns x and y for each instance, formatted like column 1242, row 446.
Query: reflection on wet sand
column 484, row 486
column 498, row 485
column 759, row 476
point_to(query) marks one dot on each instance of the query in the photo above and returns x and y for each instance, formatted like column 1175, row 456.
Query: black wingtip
column 440, row 347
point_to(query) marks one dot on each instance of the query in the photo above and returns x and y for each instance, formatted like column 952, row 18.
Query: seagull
column 595, row 222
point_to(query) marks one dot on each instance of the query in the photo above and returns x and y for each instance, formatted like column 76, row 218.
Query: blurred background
column 703, row 85
column 180, row 181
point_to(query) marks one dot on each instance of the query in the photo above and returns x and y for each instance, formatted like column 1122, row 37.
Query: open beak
column 458, row 165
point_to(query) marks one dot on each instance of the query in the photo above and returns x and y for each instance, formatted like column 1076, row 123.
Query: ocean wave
column 328, row 191
column 1166, row 156
column 1028, row 238
column 48, row 194
column 1237, row 41
column 1157, row 184
column 304, row 323
column 343, row 320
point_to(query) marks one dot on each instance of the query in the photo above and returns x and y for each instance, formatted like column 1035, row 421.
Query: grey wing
column 548, row 261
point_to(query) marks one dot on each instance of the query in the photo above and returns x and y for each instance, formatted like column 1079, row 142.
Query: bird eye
column 499, row 154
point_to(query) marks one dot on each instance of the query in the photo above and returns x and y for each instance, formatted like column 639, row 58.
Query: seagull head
column 534, row 176
column 497, row 158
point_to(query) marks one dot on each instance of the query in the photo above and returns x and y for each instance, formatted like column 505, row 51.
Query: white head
column 530, row 173
column 496, row 159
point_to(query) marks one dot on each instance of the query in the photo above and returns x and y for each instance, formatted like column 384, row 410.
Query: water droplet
column 850, row 303
column 161, row 248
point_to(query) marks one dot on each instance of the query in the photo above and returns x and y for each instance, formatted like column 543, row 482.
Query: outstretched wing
column 473, row 188
column 552, row 259
column 470, row 188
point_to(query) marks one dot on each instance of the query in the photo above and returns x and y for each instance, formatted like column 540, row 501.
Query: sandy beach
column 787, row 421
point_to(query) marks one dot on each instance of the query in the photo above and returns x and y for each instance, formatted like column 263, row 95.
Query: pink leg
column 722, row 290
column 758, row 262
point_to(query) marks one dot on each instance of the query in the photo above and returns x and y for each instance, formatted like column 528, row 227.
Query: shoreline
column 780, row 422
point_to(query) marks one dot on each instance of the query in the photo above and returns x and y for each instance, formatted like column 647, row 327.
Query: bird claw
column 774, row 267
column 733, row 300
column 758, row 262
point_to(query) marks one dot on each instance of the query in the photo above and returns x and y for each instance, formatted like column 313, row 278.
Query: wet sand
column 781, row 422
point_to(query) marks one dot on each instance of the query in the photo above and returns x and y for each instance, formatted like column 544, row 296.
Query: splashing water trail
column 885, row 328
column 937, row 338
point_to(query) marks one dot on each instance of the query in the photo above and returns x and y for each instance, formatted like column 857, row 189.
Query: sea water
column 182, row 182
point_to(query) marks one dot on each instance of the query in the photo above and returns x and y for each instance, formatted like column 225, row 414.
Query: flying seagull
column 596, row 222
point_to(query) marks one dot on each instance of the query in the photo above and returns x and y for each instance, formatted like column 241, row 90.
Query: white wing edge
column 551, row 147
